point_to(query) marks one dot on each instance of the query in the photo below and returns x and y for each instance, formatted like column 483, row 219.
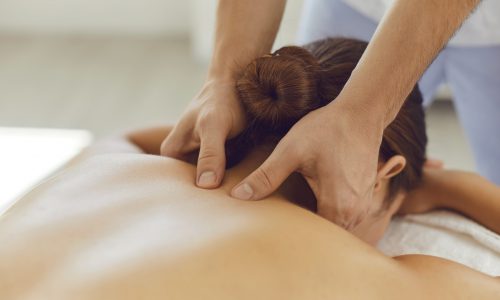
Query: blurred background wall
column 191, row 19
column 109, row 65
column 150, row 17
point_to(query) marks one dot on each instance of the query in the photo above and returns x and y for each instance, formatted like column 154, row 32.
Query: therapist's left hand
column 336, row 149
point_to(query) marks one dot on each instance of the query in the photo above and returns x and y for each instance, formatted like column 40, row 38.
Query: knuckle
column 342, row 223
column 348, row 212
column 343, row 215
column 206, row 117
column 346, row 221
column 207, row 154
column 264, row 178
column 358, row 220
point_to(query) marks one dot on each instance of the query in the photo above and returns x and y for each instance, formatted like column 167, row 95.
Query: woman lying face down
column 131, row 226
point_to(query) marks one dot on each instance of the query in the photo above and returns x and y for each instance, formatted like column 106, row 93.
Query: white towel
column 447, row 235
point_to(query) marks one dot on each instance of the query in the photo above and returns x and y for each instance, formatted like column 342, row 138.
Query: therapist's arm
column 336, row 147
column 245, row 30
column 407, row 40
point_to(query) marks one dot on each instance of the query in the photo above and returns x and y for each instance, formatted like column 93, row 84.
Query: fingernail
column 243, row 192
column 206, row 179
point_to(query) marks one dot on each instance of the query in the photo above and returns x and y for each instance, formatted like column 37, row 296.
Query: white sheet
column 447, row 235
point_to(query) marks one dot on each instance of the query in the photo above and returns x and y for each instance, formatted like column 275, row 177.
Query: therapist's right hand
column 214, row 115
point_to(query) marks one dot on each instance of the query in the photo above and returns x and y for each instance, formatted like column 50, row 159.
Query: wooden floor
column 108, row 84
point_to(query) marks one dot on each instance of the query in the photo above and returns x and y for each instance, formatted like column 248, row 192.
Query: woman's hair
column 278, row 89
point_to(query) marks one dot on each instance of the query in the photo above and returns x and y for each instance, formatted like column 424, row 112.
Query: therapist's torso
column 482, row 28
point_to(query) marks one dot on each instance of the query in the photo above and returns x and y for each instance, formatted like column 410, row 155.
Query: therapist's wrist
column 359, row 113
column 219, row 79
column 225, row 67
column 373, row 95
column 221, row 73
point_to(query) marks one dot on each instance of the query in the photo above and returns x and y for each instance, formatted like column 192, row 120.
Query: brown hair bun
column 277, row 90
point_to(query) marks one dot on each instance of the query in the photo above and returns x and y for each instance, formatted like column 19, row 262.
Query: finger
column 341, row 217
column 211, row 159
column 347, row 214
column 338, row 212
column 356, row 220
column 361, row 210
column 179, row 142
column 269, row 176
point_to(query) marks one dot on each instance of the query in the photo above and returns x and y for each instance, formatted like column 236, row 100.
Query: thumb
column 211, row 159
column 268, row 177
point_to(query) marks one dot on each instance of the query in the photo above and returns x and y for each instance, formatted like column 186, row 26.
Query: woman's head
column 277, row 90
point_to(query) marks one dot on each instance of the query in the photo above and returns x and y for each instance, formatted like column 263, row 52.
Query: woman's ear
column 392, row 167
column 389, row 169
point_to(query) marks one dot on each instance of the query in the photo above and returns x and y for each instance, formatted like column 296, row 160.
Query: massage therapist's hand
column 214, row 115
column 244, row 30
column 336, row 151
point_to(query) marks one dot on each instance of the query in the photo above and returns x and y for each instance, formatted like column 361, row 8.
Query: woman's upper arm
column 146, row 140
column 465, row 192
column 149, row 140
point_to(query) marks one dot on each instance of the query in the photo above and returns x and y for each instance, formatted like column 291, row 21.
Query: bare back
column 130, row 226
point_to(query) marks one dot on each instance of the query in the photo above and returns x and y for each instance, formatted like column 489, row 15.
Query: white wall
column 193, row 18
column 151, row 17
column 202, row 26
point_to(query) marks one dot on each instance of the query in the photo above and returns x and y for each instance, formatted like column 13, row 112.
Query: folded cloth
column 447, row 235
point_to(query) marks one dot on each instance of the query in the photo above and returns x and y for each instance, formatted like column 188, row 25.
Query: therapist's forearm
column 244, row 31
column 407, row 40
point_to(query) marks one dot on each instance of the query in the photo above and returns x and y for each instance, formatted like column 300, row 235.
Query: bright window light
column 27, row 155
